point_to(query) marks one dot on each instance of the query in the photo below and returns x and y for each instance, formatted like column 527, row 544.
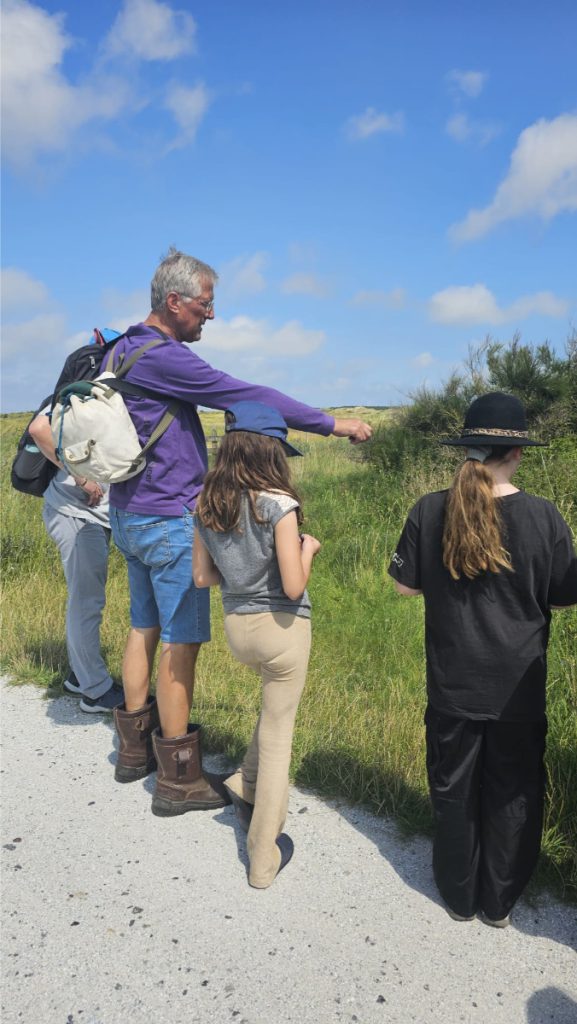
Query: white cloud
column 462, row 128
column 469, row 83
column 41, row 109
column 245, row 334
column 305, row 284
column 541, row 303
column 302, row 252
column 542, row 179
column 422, row 360
column 188, row 107
column 475, row 304
column 125, row 308
column 20, row 290
column 371, row 122
column 244, row 275
column 394, row 299
column 150, row 30
column 34, row 347
column 34, row 338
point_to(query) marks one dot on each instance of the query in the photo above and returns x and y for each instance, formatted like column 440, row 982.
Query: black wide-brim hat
column 495, row 419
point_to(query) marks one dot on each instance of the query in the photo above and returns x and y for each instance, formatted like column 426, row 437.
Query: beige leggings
column 277, row 646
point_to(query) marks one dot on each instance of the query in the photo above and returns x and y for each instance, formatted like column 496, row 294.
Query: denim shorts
column 158, row 552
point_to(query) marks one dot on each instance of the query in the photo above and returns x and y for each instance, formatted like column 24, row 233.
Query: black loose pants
column 487, row 785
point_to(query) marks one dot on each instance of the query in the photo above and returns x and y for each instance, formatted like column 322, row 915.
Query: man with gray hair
column 152, row 524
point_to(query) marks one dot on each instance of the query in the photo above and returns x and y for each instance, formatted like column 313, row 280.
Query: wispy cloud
column 467, row 83
column 150, row 30
column 463, row 128
column 244, row 275
column 41, row 109
column 21, row 291
column 372, row 122
column 394, row 299
column 542, row 179
column 245, row 334
column 188, row 107
column 422, row 360
column 125, row 308
column 305, row 284
column 476, row 304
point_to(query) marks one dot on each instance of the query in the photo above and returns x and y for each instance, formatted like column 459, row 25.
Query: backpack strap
column 125, row 366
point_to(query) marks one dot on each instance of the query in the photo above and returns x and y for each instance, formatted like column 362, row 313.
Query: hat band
column 496, row 432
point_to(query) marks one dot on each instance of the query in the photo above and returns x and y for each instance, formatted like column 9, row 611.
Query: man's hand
column 355, row 430
column 93, row 492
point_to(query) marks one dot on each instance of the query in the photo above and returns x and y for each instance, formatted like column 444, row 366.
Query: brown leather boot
column 181, row 784
column 134, row 730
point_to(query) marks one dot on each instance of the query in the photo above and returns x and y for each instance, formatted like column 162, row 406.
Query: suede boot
column 134, row 730
column 181, row 784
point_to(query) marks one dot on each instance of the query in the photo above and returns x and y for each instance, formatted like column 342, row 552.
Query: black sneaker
column 71, row 684
column 104, row 704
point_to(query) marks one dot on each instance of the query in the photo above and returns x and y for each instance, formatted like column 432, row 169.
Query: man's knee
column 173, row 650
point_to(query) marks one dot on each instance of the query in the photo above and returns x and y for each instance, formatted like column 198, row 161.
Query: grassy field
column 359, row 733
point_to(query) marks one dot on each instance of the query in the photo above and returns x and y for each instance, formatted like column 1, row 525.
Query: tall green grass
column 359, row 732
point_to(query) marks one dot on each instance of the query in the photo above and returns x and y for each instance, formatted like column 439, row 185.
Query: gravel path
column 113, row 916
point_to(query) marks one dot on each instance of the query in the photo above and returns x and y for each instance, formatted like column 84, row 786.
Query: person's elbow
column 406, row 591
column 202, row 579
column 37, row 428
column 294, row 587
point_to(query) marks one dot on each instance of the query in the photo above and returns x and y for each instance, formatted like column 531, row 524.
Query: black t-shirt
column 486, row 639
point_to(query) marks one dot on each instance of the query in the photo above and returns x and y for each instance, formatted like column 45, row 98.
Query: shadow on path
column 551, row 1004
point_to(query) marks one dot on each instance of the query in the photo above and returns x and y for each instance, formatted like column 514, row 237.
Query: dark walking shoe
column 105, row 704
column 242, row 809
column 287, row 848
column 71, row 685
column 500, row 922
column 458, row 917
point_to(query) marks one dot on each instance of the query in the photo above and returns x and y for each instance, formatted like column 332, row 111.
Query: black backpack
column 31, row 470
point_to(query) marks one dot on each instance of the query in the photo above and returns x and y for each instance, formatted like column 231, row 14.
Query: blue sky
column 380, row 185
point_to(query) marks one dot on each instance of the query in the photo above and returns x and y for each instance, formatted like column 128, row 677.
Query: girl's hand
column 310, row 543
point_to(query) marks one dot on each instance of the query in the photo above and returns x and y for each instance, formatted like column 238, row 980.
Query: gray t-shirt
column 64, row 496
column 246, row 559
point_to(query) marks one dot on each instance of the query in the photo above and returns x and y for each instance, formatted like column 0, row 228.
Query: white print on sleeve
column 284, row 501
column 397, row 560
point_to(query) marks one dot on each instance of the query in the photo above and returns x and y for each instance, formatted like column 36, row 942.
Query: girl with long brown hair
column 490, row 561
column 247, row 541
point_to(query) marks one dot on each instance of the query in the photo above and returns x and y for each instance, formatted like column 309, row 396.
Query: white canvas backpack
column 93, row 433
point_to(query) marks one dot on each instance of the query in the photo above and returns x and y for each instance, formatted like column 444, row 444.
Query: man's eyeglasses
column 207, row 305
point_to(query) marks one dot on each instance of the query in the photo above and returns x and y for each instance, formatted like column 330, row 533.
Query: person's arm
column 204, row 571
column 406, row 591
column 295, row 553
column 354, row 429
column 405, row 567
column 174, row 371
column 563, row 582
column 41, row 432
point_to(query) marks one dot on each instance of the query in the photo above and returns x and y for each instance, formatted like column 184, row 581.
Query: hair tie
column 479, row 454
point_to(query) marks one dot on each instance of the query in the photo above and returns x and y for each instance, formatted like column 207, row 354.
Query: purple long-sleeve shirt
column 176, row 466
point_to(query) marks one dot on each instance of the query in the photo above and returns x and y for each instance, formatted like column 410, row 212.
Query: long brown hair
column 246, row 463
column 472, row 535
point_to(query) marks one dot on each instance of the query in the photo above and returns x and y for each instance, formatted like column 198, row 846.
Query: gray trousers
column 83, row 548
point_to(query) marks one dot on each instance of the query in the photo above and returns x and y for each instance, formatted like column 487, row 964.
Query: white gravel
column 114, row 916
